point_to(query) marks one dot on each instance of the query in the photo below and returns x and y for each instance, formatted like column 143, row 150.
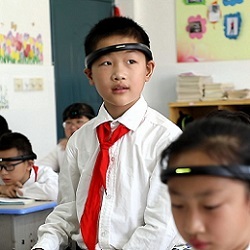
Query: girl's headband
column 241, row 172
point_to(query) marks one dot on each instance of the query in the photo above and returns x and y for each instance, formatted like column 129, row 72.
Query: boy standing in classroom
column 111, row 196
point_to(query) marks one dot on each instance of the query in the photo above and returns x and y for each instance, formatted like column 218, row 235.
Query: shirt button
column 108, row 196
column 112, row 158
column 103, row 234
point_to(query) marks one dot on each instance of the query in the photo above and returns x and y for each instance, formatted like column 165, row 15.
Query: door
column 71, row 20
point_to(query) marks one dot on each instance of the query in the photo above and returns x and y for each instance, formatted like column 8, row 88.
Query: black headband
column 118, row 47
column 76, row 113
column 237, row 172
column 20, row 158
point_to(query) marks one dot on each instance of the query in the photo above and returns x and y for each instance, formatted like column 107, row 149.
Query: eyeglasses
column 10, row 167
column 77, row 124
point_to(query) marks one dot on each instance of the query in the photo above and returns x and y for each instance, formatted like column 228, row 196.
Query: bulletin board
column 208, row 30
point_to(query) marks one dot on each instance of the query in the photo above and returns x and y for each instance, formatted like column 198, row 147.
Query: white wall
column 33, row 113
column 30, row 112
column 158, row 19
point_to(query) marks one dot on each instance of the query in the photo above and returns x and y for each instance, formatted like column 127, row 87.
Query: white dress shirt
column 42, row 185
column 54, row 158
column 135, row 212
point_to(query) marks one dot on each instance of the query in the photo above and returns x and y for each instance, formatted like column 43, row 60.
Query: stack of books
column 190, row 87
column 216, row 91
column 238, row 94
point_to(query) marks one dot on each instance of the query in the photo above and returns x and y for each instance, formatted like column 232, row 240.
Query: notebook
column 15, row 201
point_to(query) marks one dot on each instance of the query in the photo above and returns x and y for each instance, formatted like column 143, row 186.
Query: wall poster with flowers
column 212, row 30
column 21, row 34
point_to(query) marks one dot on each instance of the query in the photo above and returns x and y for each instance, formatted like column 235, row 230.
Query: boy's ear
column 88, row 73
column 30, row 164
column 150, row 69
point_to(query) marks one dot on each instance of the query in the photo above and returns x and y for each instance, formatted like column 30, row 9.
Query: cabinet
column 202, row 108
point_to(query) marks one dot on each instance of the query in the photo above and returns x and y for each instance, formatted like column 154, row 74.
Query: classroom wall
column 31, row 112
column 158, row 19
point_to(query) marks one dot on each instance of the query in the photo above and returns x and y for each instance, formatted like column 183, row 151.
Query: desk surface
column 26, row 209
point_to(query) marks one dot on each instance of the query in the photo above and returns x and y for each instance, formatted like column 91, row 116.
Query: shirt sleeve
column 51, row 159
column 62, row 223
column 44, row 188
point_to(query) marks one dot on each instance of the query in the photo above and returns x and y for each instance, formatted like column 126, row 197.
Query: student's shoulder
column 158, row 118
column 42, row 169
column 162, row 125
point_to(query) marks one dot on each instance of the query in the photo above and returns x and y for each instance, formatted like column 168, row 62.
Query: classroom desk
column 19, row 224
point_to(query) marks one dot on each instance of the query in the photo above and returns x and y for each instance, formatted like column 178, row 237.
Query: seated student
column 4, row 127
column 18, row 175
column 208, row 178
column 74, row 116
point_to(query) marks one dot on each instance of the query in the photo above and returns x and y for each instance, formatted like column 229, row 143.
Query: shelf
column 202, row 108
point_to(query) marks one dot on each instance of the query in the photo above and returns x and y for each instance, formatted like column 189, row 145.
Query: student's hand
column 63, row 143
column 11, row 190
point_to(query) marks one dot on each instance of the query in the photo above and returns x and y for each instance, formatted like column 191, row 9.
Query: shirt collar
column 129, row 119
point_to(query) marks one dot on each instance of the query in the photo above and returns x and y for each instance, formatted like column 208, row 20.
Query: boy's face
column 21, row 171
column 119, row 77
column 211, row 213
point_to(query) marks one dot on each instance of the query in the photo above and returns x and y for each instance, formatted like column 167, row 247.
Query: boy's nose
column 118, row 76
column 118, row 73
column 3, row 171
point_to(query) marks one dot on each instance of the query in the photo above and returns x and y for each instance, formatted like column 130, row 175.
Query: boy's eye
column 106, row 63
column 131, row 61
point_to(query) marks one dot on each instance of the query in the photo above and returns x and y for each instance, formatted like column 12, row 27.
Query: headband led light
column 20, row 158
column 236, row 172
column 119, row 47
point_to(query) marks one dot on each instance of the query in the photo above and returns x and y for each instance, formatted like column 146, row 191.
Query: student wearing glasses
column 19, row 177
column 74, row 116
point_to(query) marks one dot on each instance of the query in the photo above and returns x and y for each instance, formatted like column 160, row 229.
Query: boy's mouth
column 119, row 88
column 6, row 181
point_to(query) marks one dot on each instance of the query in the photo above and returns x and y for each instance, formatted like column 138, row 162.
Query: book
column 238, row 94
column 15, row 201
column 216, row 91
column 190, row 87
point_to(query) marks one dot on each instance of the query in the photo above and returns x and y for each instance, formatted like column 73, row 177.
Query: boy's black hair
column 18, row 141
column 4, row 128
column 110, row 26
column 77, row 110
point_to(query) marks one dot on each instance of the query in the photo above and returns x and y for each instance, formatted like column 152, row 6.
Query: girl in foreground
column 207, row 170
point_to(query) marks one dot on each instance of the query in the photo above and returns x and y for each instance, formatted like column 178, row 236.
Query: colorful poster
column 23, row 31
column 208, row 30
column 22, row 48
